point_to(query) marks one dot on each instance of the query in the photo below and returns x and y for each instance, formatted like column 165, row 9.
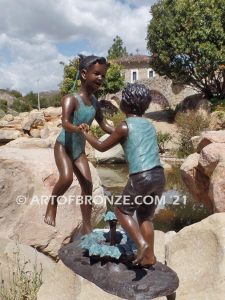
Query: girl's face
column 95, row 76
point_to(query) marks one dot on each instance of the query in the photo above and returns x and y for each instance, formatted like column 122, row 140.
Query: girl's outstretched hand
column 84, row 127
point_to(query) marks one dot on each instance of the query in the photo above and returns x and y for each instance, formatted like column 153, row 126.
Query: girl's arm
column 102, row 121
column 69, row 105
column 117, row 136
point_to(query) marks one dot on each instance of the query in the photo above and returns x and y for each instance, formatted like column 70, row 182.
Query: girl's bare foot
column 86, row 229
column 50, row 214
column 140, row 253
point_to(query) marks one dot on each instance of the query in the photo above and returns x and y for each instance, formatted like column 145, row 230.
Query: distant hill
column 7, row 95
column 11, row 95
column 48, row 94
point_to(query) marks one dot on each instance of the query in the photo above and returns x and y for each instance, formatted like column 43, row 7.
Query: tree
column 117, row 50
column 114, row 80
column 187, row 39
column 70, row 72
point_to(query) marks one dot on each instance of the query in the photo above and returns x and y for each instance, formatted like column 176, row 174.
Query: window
column 150, row 73
column 134, row 75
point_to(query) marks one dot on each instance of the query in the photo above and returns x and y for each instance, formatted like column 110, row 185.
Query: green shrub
column 3, row 105
column 20, row 105
column 15, row 93
column 189, row 124
column 162, row 140
column 97, row 131
column 55, row 100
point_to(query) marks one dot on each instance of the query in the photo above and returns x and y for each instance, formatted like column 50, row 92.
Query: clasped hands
column 83, row 127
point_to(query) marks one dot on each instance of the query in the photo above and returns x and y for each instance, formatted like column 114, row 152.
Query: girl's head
column 92, row 70
column 135, row 99
column 85, row 62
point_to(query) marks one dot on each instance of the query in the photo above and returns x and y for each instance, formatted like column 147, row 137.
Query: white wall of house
column 138, row 73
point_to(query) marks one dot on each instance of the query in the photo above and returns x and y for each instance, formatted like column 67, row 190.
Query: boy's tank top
column 75, row 142
column 140, row 147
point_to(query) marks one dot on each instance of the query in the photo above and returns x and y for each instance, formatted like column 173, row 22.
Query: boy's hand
column 84, row 127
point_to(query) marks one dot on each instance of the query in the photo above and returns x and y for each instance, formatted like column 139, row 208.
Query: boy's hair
column 136, row 98
column 85, row 62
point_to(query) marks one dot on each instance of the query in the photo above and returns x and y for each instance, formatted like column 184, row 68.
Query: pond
column 177, row 208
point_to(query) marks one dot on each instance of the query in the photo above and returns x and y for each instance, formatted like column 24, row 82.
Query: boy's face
column 123, row 109
column 95, row 75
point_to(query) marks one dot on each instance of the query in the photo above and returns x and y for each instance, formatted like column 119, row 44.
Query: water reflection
column 177, row 208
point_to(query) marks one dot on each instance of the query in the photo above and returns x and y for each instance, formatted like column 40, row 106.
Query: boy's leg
column 131, row 227
column 147, row 230
column 83, row 173
column 65, row 168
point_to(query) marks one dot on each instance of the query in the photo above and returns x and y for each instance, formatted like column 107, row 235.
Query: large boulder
column 33, row 120
column 30, row 142
column 197, row 254
column 7, row 135
column 208, row 137
column 113, row 155
column 52, row 112
column 196, row 182
column 203, row 172
column 27, row 177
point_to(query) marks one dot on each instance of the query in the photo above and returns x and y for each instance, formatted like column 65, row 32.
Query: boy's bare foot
column 148, row 261
column 50, row 214
column 140, row 253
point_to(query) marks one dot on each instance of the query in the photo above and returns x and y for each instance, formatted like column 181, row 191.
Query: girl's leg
column 131, row 227
column 65, row 168
column 83, row 173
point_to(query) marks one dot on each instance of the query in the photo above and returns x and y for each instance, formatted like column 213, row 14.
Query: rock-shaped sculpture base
column 122, row 279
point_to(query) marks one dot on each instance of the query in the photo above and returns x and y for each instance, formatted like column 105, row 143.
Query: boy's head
column 135, row 99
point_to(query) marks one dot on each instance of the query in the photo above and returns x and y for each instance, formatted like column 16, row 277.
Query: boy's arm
column 117, row 136
column 102, row 121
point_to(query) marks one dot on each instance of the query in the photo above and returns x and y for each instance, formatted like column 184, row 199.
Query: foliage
column 115, row 118
column 162, row 140
column 24, row 283
column 30, row 101
column 117, row 50
column 70, row 72
column 14, row 93
column 2, row 113
column 97, row 131
column 217, row 104
column 3, row 105
column 187, row 39
column 114, row 80
column 189, row 124
column 20, row 105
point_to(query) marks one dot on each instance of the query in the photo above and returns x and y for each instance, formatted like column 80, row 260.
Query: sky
column 36, row 35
